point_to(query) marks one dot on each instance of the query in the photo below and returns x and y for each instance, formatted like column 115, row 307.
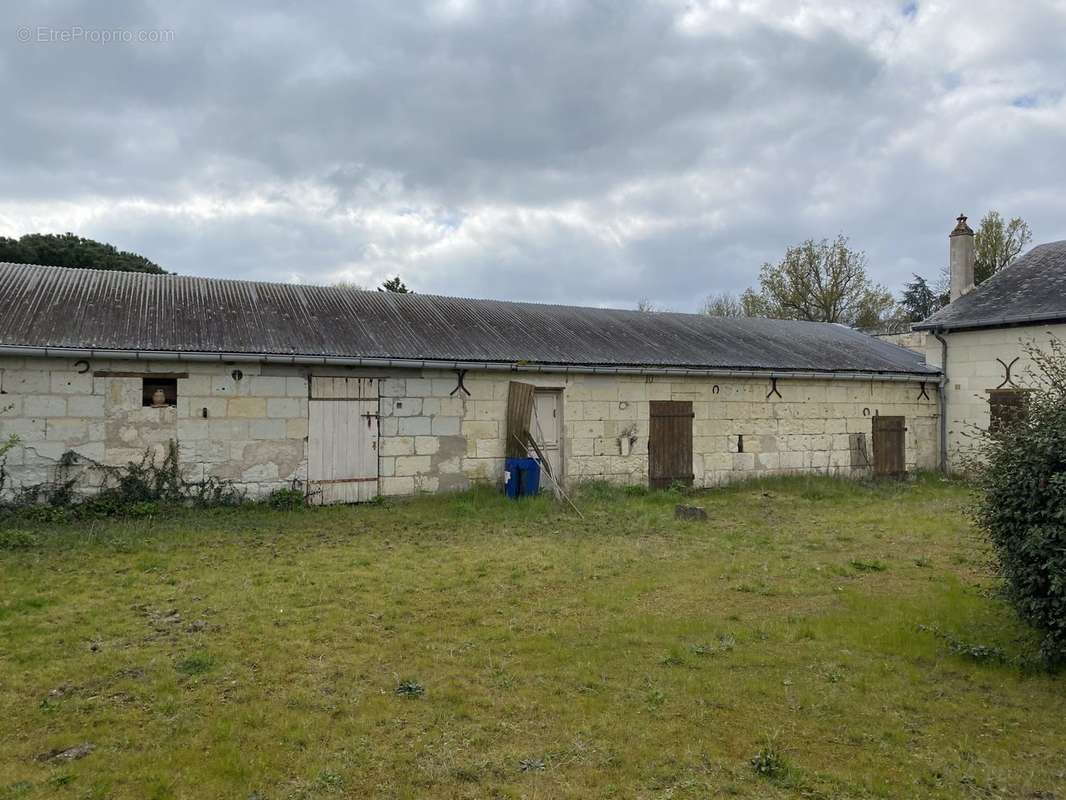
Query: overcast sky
column 574, row 152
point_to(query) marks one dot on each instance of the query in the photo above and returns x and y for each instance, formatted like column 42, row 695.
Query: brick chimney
column 961, row 258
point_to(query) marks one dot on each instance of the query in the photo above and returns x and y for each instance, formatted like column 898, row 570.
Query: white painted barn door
column 547, row 408
column 342, row 440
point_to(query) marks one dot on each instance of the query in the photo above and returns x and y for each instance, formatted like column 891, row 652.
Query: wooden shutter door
column 670, row 443
column 890, row 446
column 342, row 440
column 519, row 416
column 1006, row 407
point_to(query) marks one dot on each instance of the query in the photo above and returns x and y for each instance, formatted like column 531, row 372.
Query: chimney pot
column 962, row 257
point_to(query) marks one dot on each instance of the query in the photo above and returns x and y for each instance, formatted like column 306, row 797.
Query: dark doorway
column 890, row 446
column 670, row 443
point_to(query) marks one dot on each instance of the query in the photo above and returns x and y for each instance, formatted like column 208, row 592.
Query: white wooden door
column 546, row 429
column 342, row 440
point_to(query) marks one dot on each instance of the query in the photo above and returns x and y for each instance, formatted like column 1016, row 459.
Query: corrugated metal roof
column 1031, row 290
column 70, row 308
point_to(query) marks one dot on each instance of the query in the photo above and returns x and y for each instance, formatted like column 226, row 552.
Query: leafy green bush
column 143, row 508
column 1022, row 502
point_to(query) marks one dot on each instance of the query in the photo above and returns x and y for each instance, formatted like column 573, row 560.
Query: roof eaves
column 494, row 366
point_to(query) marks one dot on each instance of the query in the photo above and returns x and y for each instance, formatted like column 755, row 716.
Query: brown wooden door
column 890, row 446
column 670, row 443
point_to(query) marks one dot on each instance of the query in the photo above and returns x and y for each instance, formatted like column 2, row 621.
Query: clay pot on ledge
column 159, row 399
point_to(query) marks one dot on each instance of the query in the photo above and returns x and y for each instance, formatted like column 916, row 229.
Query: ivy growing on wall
column 138, row 488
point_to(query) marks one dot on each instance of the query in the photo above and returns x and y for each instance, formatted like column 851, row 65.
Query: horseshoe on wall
column 1006, row 369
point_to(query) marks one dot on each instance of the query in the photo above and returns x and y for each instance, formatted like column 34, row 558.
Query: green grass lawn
column 467, row 646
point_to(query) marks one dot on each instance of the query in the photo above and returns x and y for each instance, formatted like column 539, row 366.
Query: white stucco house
column 351, row 394
column 979, row 340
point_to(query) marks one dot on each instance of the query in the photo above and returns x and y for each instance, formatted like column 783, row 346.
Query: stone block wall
column 435, row 437
column 250, row 431
column 422, row 446
column 809, row 429
column 974, row 368
column 917, row 341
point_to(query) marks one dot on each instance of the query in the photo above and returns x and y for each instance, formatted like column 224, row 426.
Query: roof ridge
column 415, row 295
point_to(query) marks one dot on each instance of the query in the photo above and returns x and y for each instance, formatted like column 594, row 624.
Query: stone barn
column 983, row 339
column 351, row 394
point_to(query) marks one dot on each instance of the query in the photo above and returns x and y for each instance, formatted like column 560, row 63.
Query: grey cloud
column 567, row 152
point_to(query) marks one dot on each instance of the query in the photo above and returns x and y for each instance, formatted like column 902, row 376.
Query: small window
column 168, row 387
column 1006, row 407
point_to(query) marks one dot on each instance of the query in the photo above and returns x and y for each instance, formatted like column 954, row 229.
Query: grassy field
column 845, row 637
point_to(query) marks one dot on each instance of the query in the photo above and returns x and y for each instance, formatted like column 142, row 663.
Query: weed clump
column 410, row 688
column 726, row 642
column 288, row 498
column 771, row 762
column 976, row 651
column 868, row 566
column 196, row 664
column 13, row 539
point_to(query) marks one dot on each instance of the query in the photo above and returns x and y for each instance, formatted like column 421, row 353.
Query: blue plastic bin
column 522, row 477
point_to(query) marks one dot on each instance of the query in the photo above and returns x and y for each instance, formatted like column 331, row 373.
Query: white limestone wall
column 917, row 341
column 438, row 440
column 423, row 444
column 973, row 370
column 433, row 438
column 253, row 434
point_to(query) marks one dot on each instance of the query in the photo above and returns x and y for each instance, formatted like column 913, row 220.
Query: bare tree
column 822, row 281
column 998, row 243
column 755, row 304
column 723, row 304
column 646, row 305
